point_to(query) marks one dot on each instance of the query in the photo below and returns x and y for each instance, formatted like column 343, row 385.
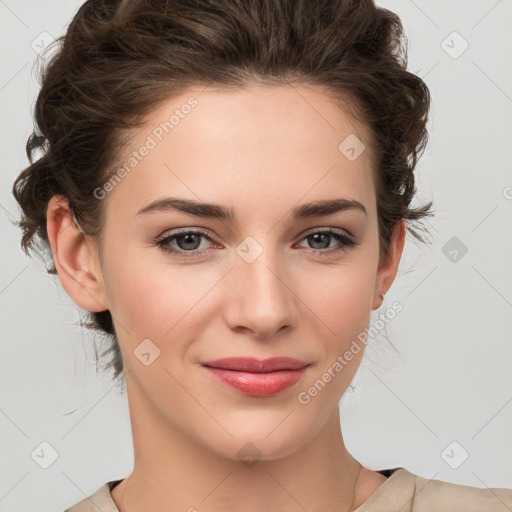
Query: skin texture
column 260, row 151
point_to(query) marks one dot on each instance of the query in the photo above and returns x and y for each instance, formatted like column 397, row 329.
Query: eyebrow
column 217, row 211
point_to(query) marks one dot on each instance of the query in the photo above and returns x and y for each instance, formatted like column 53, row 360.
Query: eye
column 321, row 240
column 186, row 242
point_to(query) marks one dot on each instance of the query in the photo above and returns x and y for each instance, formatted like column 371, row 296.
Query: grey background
column 450, row 380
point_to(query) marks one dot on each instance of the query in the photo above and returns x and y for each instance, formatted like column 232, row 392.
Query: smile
column 254, row 377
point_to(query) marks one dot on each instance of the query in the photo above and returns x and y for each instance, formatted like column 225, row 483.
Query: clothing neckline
column 388, row 473
column 392, row 477
column 385, row 472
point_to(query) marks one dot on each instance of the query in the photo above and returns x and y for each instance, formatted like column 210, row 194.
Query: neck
column 173, row 472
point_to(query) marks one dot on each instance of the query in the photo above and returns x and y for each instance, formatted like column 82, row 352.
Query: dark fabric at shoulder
column 113, row 483
column 387, row 472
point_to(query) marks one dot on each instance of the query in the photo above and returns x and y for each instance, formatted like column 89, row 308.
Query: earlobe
column 388, row 267
column 75, row 258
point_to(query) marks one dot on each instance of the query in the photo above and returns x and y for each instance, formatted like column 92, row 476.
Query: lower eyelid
column 341, row 236
column 346, row 242
column 167, row 240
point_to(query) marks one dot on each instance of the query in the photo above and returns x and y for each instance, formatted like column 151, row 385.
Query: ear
column 75, row 256
column 388, row 266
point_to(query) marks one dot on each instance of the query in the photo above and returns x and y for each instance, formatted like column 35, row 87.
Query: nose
column 260, row 300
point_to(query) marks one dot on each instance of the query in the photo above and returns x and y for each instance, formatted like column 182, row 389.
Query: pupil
column 316, row 238
column 189, row 238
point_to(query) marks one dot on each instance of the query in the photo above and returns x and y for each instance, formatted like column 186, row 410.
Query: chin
column 265, row 441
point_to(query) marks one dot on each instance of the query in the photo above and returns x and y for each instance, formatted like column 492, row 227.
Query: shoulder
column 450, row 497
column 101, row 499
column 411, row 492
column 408, row 492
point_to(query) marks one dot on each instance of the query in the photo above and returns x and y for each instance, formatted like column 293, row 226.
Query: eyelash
column 164, row 243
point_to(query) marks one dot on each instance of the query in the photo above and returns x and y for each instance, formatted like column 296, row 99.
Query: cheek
column 341, row 303
column 156, row 300
column 341, row 297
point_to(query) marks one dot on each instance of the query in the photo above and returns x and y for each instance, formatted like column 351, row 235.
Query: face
column 265, row 281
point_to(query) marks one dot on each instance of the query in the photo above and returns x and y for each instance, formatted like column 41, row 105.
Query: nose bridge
column 261, row 300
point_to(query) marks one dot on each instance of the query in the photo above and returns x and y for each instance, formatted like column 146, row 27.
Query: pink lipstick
column 256, row 377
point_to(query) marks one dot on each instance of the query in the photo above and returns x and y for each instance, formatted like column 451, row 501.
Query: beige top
column 402, row 491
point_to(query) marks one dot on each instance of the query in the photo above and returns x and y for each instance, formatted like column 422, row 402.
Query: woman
column 226, row 186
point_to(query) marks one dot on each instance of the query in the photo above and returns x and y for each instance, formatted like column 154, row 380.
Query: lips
column 261, row 378
column 252, row 365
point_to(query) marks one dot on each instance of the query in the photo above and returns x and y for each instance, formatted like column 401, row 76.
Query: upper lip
column 253, row 365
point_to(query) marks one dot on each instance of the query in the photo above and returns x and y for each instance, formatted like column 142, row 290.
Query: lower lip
column 257, row 384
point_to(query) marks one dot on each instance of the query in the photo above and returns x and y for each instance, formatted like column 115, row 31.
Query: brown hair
column 120, row 59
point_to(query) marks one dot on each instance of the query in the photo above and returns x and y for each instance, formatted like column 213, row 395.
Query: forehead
column 272, row 143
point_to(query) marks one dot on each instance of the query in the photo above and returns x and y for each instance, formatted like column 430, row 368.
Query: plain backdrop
column 439, row 406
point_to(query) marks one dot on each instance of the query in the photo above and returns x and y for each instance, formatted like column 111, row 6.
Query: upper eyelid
column 207, row 234
column 320, row 229
column 179, row 232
